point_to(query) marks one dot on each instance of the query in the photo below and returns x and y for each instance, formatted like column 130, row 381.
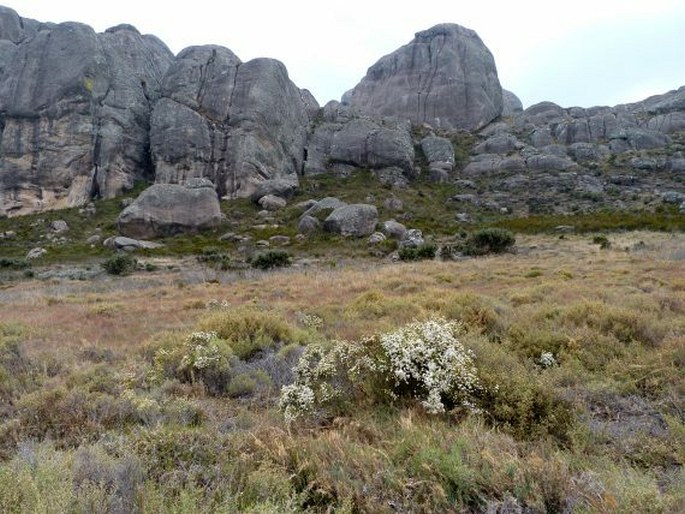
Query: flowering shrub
column 423, row 360
column 547, row 360
column 203, row 356
column 426, row 358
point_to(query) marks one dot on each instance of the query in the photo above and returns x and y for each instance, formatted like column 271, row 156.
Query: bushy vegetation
column 468, row 386
column 271, row 259
column 488, row 240
column 120, row 264
column 419, row 253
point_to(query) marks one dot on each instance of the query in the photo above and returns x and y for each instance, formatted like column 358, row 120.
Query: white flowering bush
column 427, row 359
column 423, row 360
column 202, row 357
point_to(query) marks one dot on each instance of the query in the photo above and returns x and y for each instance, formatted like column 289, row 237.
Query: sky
column 579, row 53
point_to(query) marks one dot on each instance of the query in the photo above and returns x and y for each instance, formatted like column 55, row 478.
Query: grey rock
column 499, row 144
column 94, row 239
column 167, row 209
column 445, row 77
column 76, row 109
column 511, row 104
column 36, row 253
column 272, row 202
column 306, row 205
column 283, row 187
column 325, row 205
column 349, row 139
column 394, row 229
column 438, row 150
column 357, row 220
column 279, row 240
column 565, row 229
column 59, row 227
column 394, row 204
column 129, row 244
column 262, row 244
column 236, row 123
column 413, row 238
column 463, row 217
column 673, row 197
column 376, row 238
column 308, row 224
column 392, row 177
column 8, row 234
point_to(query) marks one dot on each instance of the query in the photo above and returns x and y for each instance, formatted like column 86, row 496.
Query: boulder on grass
column 168, row 209
column 356, row 220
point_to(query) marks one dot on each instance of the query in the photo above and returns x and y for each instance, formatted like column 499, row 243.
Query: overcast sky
column 584, row 52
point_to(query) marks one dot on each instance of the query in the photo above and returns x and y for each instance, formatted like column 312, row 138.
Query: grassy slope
column 85, row 426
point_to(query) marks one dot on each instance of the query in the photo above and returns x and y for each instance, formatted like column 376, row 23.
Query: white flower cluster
column 427, row 356
column 215, row 304
column 201, row 351
column 424, row 357
column 547, row 360
column 310, row 320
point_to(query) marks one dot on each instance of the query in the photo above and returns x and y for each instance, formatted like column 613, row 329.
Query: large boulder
column 445, row 77
column 75, row 111
column 235, row 123
column 356, row 220
column 168, row 209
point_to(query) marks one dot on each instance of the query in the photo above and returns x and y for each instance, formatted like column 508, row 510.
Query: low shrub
column 201, row 357
column 488, row 240
column 423, row 361
column 271, row 259
column 602, row 241
column 422, row 252
column 120, row 264
column 17, row 264
column 248, row 330
column 215, row 258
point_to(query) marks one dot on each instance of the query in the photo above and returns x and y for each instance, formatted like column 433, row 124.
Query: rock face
column 346, row 138
column 236, row 124
column 75, row 109
column 445, row 77
column 168, row 209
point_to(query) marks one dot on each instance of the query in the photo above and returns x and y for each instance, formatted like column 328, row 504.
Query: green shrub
column 248, row 330
column 602, row 241
column 488, row 240
column 120, row 264
column 215, row 257
column 201, row 357
column 14, row 263
column 271, row 259
column 423, row 252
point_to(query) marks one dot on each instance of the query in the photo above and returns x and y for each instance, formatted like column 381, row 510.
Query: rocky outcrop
column 236, row 124
column 75, row 109
column 439, row 153
column 345, row 138
column 445, row 77
column 168, row 209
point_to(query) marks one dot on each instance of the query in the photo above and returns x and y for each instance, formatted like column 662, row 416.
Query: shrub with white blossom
column 423, row 360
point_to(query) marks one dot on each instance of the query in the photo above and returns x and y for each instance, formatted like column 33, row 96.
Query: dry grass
column 614, row 319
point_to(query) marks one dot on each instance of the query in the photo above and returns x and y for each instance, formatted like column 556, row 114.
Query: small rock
column 94, row 239
column 35, row 253
column 565, row 229
column 10, row 234
column 357, row 220
column 376, row 238
column 394, row 229
column 673, row 197
column 463, row 217
column 262, row 244
column 300, row 238
column 279, row 240
column 412, row 239
column 394, row 204
column 59, row 226
column 272, row 202
column 308, row 224
column 129, row 244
